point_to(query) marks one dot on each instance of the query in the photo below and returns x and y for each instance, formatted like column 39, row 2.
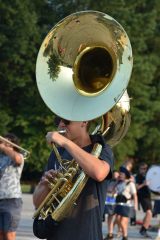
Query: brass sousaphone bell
column 83, row 69
column 84, row 66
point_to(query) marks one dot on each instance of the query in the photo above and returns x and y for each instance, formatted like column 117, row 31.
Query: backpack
column 120, row 198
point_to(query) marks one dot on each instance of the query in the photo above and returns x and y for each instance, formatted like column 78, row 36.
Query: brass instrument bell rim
column 70, row 105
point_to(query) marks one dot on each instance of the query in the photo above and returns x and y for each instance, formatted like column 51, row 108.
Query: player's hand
column 48, row 176
column 55, row 137
column 4, row 146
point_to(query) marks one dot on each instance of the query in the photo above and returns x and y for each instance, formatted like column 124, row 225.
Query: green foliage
column 21, row 108
column 23, row 26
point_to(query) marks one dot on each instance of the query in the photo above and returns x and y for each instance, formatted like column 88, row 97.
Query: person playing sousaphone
column 86, row 216
column 76, row 79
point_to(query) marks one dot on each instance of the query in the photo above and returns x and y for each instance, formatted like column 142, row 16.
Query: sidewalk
column 25, row 228
column 133, row 231
column 24, row 231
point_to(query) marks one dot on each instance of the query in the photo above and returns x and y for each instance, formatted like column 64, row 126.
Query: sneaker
column 125, row 238
column 145, row 234
column 109, row 236
column 133, row 223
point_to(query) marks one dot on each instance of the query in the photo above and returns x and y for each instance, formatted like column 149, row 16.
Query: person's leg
column 110, row 224
column 146, row 223
column 124, row 226
column 1, row 226
column 110, row 227
column 10, row 235
column 147, row 219
column 1, row 235
column 117, row 222
column 9, row 224
column 12, row 218
column 147, row 208
column 133, row 218
column 158, row 236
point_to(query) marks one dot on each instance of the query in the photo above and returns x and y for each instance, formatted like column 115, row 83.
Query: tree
column 23, row 26
column 21, row 108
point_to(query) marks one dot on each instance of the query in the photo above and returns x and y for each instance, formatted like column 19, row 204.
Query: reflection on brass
column 53, row 66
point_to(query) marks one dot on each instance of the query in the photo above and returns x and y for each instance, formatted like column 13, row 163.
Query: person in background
column 11, row 162
column 126, row 201
column 129, row 164
column 158, row 235
column 144, row 198
column 156, row 212
column 110, row 204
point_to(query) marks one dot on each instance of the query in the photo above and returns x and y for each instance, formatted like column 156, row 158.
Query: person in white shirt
column 11, row 166
column 126, row 201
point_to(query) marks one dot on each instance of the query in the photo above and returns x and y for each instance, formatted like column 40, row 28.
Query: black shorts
column 156, row 208
column 109, row 209
column 124, row 210
column 10, row 212
column 145, row 203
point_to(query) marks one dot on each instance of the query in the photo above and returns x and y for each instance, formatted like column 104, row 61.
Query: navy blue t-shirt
column 143, row 192
column 85, row 219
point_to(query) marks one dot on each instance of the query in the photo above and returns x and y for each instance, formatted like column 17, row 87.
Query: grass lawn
column 26, row 188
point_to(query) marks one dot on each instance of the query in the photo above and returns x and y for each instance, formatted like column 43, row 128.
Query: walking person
column 158, row 234
column 129, row 164
column 144, row 198
column 110, row 204
column 126, row 201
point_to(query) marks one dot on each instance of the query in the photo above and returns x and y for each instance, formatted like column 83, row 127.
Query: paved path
column 25, row 229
